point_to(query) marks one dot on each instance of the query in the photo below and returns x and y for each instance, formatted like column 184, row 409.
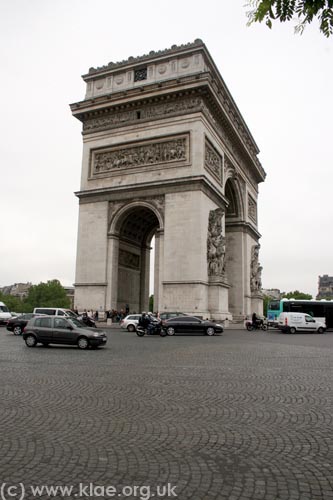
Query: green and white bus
column 321, row 310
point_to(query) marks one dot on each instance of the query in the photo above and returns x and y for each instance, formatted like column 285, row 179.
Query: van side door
column 310, row 323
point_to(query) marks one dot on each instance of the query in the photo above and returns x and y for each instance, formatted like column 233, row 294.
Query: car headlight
column 218, row 324
column 96, row 334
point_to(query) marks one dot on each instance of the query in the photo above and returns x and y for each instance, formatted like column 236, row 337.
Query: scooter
column 256, row 326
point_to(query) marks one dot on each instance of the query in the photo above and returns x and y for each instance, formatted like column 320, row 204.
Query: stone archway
column 235, row 246
column 133, row 227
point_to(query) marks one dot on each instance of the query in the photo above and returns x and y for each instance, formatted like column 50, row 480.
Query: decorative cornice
column 90, row 284
column 175, row 49
column 128, row 192
column 242, row 226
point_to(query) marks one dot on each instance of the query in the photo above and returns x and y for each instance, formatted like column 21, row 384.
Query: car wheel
column 321, row 329
column 210, row 331
column 131, row 328
column 171, row 330
column 31, row 341
column 83, row 343
column 292, row 330
column 17, row 330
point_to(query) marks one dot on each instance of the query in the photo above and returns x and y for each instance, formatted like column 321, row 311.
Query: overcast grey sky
column 282, row 84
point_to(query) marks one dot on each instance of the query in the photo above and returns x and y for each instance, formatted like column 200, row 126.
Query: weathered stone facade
column 166, row 153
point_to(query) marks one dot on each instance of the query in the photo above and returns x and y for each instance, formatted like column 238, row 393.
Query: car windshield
column 76, row 323
column 4, row 309
column 71, row 314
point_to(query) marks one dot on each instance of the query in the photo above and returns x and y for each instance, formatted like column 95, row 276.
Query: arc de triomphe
column 167, row 154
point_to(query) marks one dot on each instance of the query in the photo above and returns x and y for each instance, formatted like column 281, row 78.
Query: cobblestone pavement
column 238, row 416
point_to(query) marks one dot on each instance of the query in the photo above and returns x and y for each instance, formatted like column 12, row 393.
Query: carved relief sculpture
column 256, row 269
column 147, row 112
column 216, row 244
column 213, row 161
column 129, row 259
column 252, row 209
column 153, row 153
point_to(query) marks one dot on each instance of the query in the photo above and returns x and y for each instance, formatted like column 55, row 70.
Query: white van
column 4, row 314
column 55, row 311
column 292, row 322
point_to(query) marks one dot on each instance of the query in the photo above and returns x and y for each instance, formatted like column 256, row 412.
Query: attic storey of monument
column 166, row 153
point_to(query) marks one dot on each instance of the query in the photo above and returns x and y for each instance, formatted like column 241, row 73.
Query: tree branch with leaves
column 286, row 10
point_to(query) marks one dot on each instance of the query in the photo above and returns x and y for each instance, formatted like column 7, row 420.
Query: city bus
column 321, row 310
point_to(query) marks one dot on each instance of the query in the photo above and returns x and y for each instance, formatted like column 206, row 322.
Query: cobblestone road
column 239, row 416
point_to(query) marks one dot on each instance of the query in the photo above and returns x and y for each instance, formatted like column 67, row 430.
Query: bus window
column 287, row 306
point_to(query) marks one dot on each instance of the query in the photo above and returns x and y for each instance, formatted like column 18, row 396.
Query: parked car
column 130, row 322
column 189, row 324
column 17, row 324
column 168, row 315
column 61, row 330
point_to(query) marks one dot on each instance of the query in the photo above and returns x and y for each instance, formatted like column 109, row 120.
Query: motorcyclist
column 151, row 323
column 257, row 322
column 143, row 320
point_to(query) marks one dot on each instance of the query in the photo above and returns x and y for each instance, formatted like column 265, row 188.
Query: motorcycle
column 153, row 328
column 260, row 325
column 87, row 321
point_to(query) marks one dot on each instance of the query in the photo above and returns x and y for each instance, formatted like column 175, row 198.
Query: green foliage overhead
column 297, row 295
column 286, row 10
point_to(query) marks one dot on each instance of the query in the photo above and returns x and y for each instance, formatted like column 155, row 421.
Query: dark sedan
column 191, row 324
column 17, row 324
column 59, row 330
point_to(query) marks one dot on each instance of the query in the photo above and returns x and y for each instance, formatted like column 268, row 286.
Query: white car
column 130, row 322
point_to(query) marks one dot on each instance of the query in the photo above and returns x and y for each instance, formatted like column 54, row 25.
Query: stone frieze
column 172, row 150
column 160, row 110
column 129, row 259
